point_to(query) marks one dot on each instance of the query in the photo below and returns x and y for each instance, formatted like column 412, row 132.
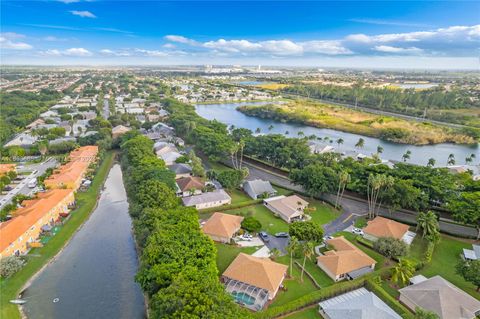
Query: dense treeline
column 404, row 186
column 408, row 101
column 20, row 108
column 177, row 261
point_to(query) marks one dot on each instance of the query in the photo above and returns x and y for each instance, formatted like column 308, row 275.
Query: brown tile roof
column 222, row 225
column 288, row 206
column 384, row 227
column 187, row 183
column 5, row 168
column 26, row 216
column 259, row 272
column 345, row 258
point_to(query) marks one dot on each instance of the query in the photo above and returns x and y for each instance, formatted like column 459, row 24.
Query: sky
column 360, row 34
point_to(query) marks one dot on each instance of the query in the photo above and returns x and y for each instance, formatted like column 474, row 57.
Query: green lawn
column 309, row 313
column 322, row 213
column 294, row 287
column 86, row 202
column 227, row 253
column 360, row 222
column 445, row 257
column 320, row 276
column 239, row 196
column 269, row 222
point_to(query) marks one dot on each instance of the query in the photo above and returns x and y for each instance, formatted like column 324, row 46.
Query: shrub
column 10, row 265
column 391, row 247
column 251, row 224
column 306, row 231
column 429, row 252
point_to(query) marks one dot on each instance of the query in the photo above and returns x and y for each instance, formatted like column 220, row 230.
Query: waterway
column 227, row 113
column 93, row 277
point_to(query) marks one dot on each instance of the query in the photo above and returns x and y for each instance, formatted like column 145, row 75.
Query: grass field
column 318, row 274
column 227, row 253
column 354, row 121
column 322, row 213
column 86, row 202
column 309, row 313
column 269, row 222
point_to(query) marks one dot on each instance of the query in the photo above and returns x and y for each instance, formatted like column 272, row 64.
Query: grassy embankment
column 39, row 257
column 344, row 119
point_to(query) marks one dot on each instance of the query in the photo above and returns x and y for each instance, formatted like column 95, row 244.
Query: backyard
column 308, row 313
column 227, row 253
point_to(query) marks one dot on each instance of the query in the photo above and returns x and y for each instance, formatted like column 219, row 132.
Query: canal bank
column 93, row 276
column 39, row 257
column 228, row 114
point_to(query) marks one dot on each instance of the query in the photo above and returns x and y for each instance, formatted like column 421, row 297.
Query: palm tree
column 270, row 127
column 451, row 160
column 258, row 130
column 343, row 180
column 275, row 253
column 468, row 160
column 431, row 162
column 340, row 141
column 291, row 248
column 300, row 133
column 428, row 223
column 403, row 271
column 307, row 250
column 360, row 143
column 379, row 149
column 287, row 132
column 406, row 156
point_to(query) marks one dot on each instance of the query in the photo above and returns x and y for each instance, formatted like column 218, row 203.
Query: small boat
column 18, row 301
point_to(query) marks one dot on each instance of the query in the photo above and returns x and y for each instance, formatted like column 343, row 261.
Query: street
column 106, row 109
column 22, row 187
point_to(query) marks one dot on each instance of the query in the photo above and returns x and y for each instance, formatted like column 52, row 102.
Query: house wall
column 219, row 239
column 21, row 243
column 277, row 212
column 187, row 193
column 272, row 294
column 334, row 277
column 213, row 204
column 250, row 191
column 370, row 237
column 177, row 176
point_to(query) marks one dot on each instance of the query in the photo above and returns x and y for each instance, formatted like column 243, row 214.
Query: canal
column 227, row 113
column 93, row 277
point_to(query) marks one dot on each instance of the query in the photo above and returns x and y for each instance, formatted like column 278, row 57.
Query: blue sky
column 404, row 34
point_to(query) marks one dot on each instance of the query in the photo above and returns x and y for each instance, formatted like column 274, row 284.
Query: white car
column 358, row 231
column 246, row 237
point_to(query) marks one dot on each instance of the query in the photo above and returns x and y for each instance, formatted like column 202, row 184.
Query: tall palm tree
column 427, row 221
column 307, row 250
column 451, row 159
column 468, row 160
column 340, row 141
column 287, row 132
column 275, row 253
column 343, row 180
column 270, row 127
column 379, row 149
column 360, row 143
column 291, row 248
column 258, row 130
column 431, row 162
column 403, row 271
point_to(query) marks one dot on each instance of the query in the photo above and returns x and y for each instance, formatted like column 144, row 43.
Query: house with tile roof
column 119, row 130
column 289, row 208
column 181, row 170
column 5, row 168
column 222, row 227
column 346, row 261
column 252, row 281
column 189, row 186
column 441, row 297
column 381, row 227
column 26, row 224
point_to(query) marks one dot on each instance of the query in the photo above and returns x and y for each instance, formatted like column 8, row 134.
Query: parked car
column 282, row 235
column 246, row 237
column 357, row 231
column 7, row 188
column 264, row 236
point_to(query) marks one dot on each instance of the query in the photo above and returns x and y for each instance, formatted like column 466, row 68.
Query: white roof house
column 258, row 187
column 22, row 139
column 170, row 157
column 211, row 199
column 472, row 254
column 356, row 304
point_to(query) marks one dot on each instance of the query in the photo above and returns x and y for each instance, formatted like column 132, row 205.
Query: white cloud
column 180, row 39
column 390, row 49
column 68, row 1
column 83, row 14
column 72, row 52
column 109, row 52
column 8, row 41
column 169, row 46
column 325, row 47
column 389, row 22
column 151, row 53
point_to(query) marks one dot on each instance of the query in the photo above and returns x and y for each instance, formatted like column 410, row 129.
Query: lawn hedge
column 231, row 206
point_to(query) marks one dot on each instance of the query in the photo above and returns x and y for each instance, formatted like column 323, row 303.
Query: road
column 354, row 207
column 22, row 187
column 106, row 109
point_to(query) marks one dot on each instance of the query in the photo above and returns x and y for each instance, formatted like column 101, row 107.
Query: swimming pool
column 244, row 298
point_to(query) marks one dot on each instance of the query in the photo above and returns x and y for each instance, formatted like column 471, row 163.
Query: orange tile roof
column 5, row 168
column 187, row 183
column 26, row 216
column 259, row 272
column 222, row 225
column 345, row 258
column 384, row 227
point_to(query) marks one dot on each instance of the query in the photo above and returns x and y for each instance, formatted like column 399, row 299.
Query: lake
column 227, row 113
column 93, row 277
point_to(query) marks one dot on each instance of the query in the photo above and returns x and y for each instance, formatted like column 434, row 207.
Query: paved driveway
column 278, row 243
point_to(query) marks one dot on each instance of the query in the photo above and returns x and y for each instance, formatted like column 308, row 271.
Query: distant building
column 23, row 140
column 170, row 157
column 472, row 254
column 381, row 227
column 181, row 170
column 258, row 188
column 188, row 186
column 119, row 130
